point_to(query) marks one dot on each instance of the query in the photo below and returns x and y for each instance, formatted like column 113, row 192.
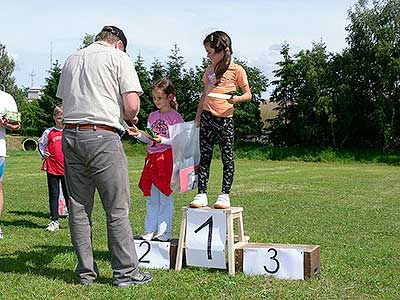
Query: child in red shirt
column 156, row 176
column 50, row 150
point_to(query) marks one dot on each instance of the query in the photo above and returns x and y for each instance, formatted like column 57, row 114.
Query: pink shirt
column 159, row 123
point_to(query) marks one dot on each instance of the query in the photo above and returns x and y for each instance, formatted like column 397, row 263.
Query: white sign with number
column 282, row 263
column 206, row 238
column 153, row 254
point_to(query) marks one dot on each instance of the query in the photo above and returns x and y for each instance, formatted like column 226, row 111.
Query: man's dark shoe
column 139, row 278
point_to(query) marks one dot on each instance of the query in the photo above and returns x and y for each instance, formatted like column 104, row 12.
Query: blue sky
column 257, row 28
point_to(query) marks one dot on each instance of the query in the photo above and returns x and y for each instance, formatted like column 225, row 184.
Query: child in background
column 215, row 115
column 156, row 176
column 51, row 152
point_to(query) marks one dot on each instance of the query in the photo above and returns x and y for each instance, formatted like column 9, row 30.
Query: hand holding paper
column 148, row 132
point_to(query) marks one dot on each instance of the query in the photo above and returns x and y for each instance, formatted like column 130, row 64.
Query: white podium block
column 153, row 254
column 289, row 260
column 277, row 262
column 206, row 238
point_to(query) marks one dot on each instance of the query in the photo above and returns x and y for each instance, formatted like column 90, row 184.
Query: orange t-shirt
column 234, row 77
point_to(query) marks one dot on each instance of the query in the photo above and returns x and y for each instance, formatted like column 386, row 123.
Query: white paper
column 282, row 263
column 219, row 96
column 153, row 254
column 206, row 238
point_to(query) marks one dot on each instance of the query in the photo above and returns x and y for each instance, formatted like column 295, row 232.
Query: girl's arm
column 200, row 107
column 42, row 144
column 245, row 97
column 134, row 131
column 243, row 83
column 143, row 138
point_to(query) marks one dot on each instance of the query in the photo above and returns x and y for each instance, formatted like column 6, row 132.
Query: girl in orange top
column 215, row 115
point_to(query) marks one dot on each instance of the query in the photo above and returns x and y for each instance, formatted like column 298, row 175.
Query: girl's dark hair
column 220, row 41
column 168, row 88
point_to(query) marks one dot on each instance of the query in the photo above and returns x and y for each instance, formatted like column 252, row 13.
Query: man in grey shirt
column 100, row 89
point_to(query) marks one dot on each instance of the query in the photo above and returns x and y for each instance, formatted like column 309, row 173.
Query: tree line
column 340, row 100
column 37, row 114
column 347, row 99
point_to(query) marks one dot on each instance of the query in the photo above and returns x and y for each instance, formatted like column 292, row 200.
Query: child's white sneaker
column 53, row 226
column 1, row 233
column 148, row 235
column 223, row 201
column 200, row 200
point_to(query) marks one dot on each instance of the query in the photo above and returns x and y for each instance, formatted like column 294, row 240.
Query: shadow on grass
column 37, row 261
column 36, row 214
column 21, row 223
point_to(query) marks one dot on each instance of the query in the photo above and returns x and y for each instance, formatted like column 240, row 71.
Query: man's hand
column 133, row 131
column 10, row 126
column 4, row 121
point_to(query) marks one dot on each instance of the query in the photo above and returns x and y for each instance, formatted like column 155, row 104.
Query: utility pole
column 32, row 75
column 51, row 55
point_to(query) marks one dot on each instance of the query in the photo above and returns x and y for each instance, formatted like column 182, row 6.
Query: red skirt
column 158, row 171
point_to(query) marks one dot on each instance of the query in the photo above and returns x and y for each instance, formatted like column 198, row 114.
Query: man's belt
column 93, row 127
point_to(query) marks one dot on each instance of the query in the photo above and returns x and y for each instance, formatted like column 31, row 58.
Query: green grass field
column 350, row 209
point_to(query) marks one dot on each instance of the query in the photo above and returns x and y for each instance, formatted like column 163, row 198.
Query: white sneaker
column 223, row 201
column 163, row 237
column 1, row 234
column 200, row 200
column 148, row 235
column 53, row 226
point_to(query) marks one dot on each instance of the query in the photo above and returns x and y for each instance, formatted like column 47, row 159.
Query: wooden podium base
column 311, row 256
column 233, row 242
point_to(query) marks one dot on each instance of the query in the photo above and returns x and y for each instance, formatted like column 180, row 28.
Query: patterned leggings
column 221, row 129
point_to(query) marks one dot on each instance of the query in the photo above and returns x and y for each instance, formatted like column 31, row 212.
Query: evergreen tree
column 49, row 100
column 7, row 81
column 87, row 40
column 157, row 71
column 247, row 115
column 146, row 100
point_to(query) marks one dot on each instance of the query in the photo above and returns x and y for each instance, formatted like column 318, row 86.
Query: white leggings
column 160, row 211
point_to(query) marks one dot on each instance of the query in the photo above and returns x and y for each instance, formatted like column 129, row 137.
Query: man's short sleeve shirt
column 92, row 83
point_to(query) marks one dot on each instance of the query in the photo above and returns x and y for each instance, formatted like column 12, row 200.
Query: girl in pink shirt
column 156, row 176
column 215, row 115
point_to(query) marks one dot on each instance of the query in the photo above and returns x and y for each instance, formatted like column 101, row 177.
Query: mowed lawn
column 350, row 210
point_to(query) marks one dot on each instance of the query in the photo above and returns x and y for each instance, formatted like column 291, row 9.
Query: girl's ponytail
column 174, row 103
column 220, row 41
